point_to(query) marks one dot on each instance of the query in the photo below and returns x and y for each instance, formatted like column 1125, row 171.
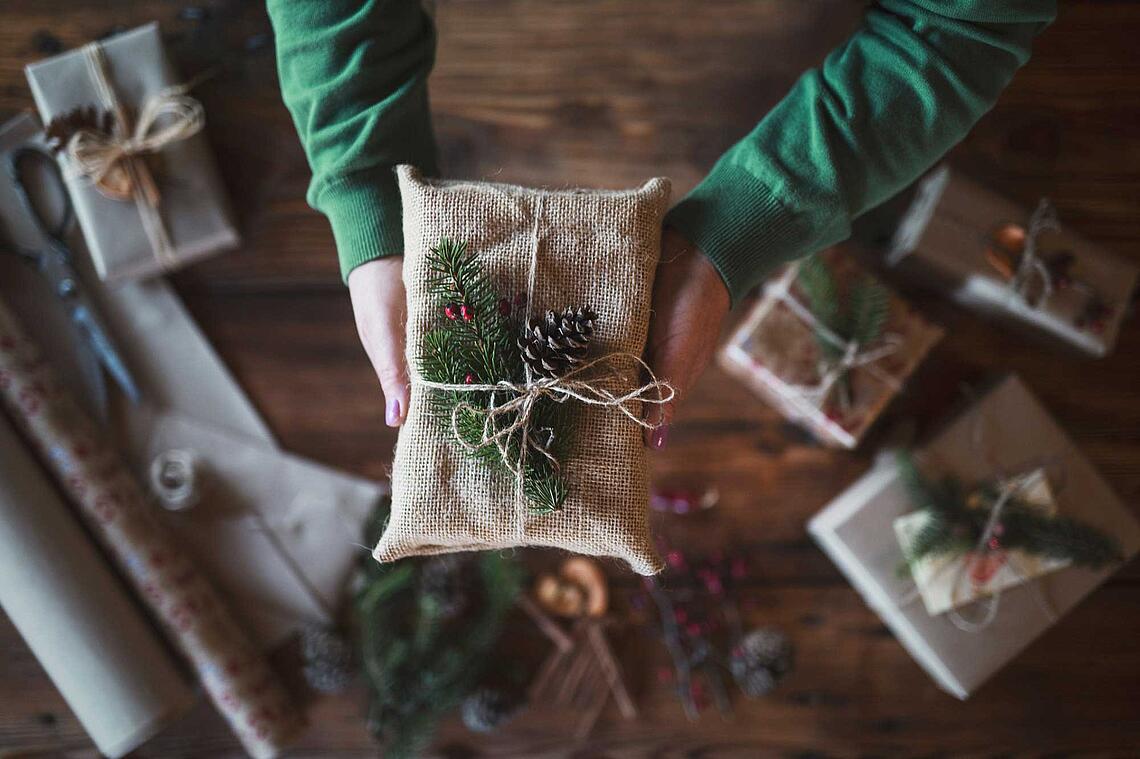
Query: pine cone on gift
column 329, row 661
column 487, row 709
column 85, row 118
column 554, row 345
column 760, row 660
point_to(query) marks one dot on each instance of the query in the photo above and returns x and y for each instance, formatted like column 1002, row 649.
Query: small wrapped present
column 829, row 346
column 141, row 176
column 528, row 312
column 998, row 258
column 1002, row 524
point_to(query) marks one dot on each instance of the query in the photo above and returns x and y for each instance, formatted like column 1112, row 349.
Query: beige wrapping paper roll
column 77, row 618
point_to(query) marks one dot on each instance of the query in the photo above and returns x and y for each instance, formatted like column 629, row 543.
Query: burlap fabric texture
column 589, row 248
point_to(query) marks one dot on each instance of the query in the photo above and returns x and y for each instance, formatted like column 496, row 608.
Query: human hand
column 690, row 302
column 378, row 302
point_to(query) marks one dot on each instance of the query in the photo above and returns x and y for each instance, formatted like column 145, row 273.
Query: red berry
column 467, row 312
column 675, row 559
column 469, row 379
column 994, row 544
column 520, row 299
column 504, row 307
column 451, row 311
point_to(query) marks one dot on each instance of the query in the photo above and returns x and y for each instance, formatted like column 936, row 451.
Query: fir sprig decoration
column 476, row 343
column 857, row 316
column 427, row 630
column 957, row 519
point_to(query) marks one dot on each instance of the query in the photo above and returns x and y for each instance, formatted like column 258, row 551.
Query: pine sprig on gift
column 860, row 317
column 427, row 630
column 476, row 343
column 956, row 521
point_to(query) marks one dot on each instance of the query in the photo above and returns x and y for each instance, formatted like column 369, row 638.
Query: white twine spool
column 174, row 479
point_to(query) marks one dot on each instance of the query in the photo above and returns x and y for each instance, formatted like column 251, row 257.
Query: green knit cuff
column 364, row 211
column 740, row 225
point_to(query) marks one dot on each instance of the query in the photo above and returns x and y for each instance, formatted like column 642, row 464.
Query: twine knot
column 510, row 409
column 167, row 117
column 1030, row 267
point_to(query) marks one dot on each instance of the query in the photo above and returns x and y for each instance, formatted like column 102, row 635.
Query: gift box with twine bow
column 128, row 135
column 1018, row 555
column 1024, row 265
column 829, row 347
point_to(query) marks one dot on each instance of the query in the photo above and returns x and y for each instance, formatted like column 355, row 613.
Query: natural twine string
column 853, row 355
column 1031, row 267
column 94, row 155
column 522, row 397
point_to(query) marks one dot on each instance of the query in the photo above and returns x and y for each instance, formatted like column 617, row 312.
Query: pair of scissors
column 31, row 168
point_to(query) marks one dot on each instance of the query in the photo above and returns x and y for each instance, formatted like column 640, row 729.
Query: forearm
column 354, row 77
column 881, row 110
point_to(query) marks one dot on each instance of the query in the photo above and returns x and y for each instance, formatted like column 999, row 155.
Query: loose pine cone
column 487, row 709
column 329, row 660
column 556, row 344
column 760, row 660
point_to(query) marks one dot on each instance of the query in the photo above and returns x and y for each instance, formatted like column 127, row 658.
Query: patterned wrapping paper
column 66, row 602
column 965, row 239
column 776, row 353
column 106, row 495
column 1003, row 433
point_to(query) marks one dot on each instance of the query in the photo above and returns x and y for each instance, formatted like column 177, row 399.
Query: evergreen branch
column 956, row 522
column 421, row 660
column 480, row 346
column 822, row 294
column 869, row 304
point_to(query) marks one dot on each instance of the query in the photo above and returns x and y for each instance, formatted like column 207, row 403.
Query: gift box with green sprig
column 1025, row 266
column 528, row 312
column 972, row 545
column 829, row 346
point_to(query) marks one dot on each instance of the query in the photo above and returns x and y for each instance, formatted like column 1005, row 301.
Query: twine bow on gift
column 852, row 354
column 1031, row 281
column 166, row 117
column 517, row 408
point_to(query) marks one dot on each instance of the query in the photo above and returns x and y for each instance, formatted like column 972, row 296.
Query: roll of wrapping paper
column 109, row 499
column 66, row 603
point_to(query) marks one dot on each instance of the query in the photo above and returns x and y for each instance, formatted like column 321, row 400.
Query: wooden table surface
column 607, row 93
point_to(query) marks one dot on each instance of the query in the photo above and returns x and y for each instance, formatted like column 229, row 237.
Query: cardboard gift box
column 1006, row 433
column 1022, row 265
column 160, row 205
column 813, row 366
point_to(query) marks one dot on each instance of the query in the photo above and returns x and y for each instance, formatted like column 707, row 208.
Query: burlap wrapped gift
column 587, row 248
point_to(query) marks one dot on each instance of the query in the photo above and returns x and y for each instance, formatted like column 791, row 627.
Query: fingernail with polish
column 660, row 435
column 392, row 417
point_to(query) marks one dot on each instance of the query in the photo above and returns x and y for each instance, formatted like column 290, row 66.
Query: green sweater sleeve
column 881, row 110
column 354, row 77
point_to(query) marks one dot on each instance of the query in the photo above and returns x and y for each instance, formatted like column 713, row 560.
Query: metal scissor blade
column 112, row 361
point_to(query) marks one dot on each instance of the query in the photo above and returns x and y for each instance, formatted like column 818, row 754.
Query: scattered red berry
column 504, row 307
column 994, row 544
column 451, row 311
column 520, row 299
column 467, row 312
column 469, row 379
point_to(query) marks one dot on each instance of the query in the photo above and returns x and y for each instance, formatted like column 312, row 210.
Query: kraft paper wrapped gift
column 1006, row 432
column 137, row 235
column 1023, row 265
column 293, row 524
column 778, row 351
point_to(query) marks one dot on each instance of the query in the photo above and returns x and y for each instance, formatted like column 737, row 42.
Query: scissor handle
column 20, row 163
